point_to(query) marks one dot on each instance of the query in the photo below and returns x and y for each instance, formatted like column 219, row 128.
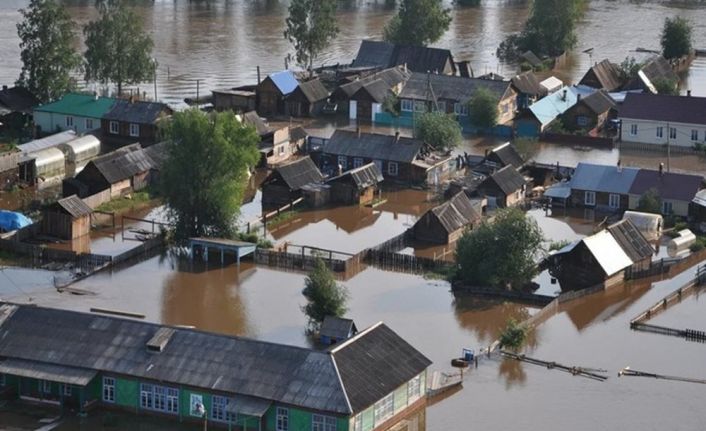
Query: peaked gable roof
column 607, row 252
column 139, row 112
column 298, row 173
column 669, row 185
column 605, row 73
column 373, row 146
column 527, row 83
column 631, row 240
column 449, row 87
column 456, row 213
column 337, row 327
column 508, row 179
column 79, row 105
column 603, row 178
column 285, row 81
column 364, row 176
column 391, row 77
column 598, row 102
column 312, row 90
column 550, row 107
column 506, row 154
column 378, row 90
column 74, row 206
column 417, row 58
column 122, row 164
column 662, row 107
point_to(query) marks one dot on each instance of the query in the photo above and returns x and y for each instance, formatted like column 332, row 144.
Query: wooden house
column 528, row 90
column 272, row 92
column 423, row 59
column 374, row 377
column 307, row 99
column 503, row 155
column 336, row 329
column 69, row 218
column 385, row 82
column 504, row 188
column 238, row 99
column 605, row 75
column 356, row 186
column 533, row 121
column 446, row 223
column 601, row 258
column 602, row 187
column 654, row 70
column 130, row 121
column 284, row 183
column 590, row 113
column 676, row 191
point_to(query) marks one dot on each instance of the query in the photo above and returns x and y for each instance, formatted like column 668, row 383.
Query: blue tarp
column 11, row 220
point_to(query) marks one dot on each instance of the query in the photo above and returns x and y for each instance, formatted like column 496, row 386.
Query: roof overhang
column 248, row 406
column 43, row 371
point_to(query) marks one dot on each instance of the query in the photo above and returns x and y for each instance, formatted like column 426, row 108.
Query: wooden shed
column 69, row 218
column 445, row 223
column 284, row 184
column 272, row 91
column 308, row 99
column 504, row 188
column 335, row 329
column 357, row 186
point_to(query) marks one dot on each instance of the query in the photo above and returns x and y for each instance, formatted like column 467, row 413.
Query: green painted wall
column 400, row 399
column 185, row 402
column 127, row 392
column 299, row 420
column 368, row 419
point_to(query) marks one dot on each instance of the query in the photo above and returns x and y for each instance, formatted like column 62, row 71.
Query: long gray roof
column 456, row 213
column 298, row 173
column 391, row 77
column 139, row 112
column 448, row 87
column 373, row 146
column 364, row 176
column 603, row 178
column 417, row 58
column 123, row 163
column 371, row 365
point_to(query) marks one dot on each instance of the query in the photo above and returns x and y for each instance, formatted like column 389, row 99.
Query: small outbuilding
column 445, row 223
column 357, row 186
column 69, row 218
column 284, row 183
column 504, row 188
column 308, row 99
column 273, row 90
column 336, row 329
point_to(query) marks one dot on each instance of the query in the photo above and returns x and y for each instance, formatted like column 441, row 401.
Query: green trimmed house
column 75, row 111
column 81, row 361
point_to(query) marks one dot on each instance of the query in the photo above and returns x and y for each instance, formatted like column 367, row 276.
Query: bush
column 324, row 296
column 558, row 245
column 514, row 335
column 483, row 109
column 438, row 130
column 697, row 246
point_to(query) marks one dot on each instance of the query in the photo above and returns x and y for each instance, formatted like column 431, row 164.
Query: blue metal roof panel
column 285, row 81
column 602, row 178
column 550, row 107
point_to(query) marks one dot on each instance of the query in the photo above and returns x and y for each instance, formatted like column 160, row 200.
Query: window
column 159, row 398
column 282, row 419
column 134, row 129
column 89, row 123
column 392, row 168
column 357, row 162
column 343, row 162
column 441, row 106
column 667, row 207
column 407, row 105
column 672, row 133
column 589, row 198
column 420, row 106
column 114, row 127
column 633, row 129
column 66, row 390
column 660, row 132
column 358, row 422
column 219, row 409
column 323, row 423
column 281, row 150
column 69, row 121
column 109, row 389
column 694, row 135
column 460, row 109
column 45, row 386
column 614, row 201
column 582, row 121
column 413, row 387
column 384, row 409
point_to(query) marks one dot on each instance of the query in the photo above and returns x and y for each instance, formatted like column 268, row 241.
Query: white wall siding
column 647, row 133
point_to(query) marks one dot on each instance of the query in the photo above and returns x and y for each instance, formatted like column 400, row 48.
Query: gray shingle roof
column 337, row 327
column 507, row 179
column 456, row 213
column 374, row 363
column 527, row 83
column 123, row 163
column 299, row 173
column 447, row 87
column 606, row 73
column 75, row 206
column 506, row 154
column 417, row 58
column 364, row 176
column 661, row 107
column 598, row 102
column 669, row 185
column 373, row 146
column 603, row 178
column 313, row 90
column 377, row 89
column 391, row 77
column 138, row 112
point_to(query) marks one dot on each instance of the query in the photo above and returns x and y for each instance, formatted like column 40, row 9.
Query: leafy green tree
column 47, row 41
column 117, row 49
column 676, row 37
column 501, row 253
column 324, row 296
column 418, row 23
column 514, row 335
column 666, row 86
column 206, row 171
column 650, row 202
column 629, row 68
column 311, row 26
column 438, row 130
column 483, row 109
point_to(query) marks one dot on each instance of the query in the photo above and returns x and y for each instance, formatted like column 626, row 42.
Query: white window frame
column 45, row 387
column 414, row 388
column 357, row 162
column 323, row 423
column 589, row 198
column 420, row 106
column 282, row 419
column 406, row 105
column 159, row 398
column 581, row 120
column 69, row 121
column 384, row 409
column 134, row 130
column 672, row 133
column 280, row 150
column 660, row 132
column 108, row 389
column 66, row 390
column 219, row 409
column 694, row 135
column 393, row 169
column 460, row 109
column 614, row 200
column 89, row 123
column 442, row 106
column 633, row 130
column 343, row 162
column 114, row 128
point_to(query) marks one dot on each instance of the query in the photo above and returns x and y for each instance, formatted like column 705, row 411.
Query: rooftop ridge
column 354, row 338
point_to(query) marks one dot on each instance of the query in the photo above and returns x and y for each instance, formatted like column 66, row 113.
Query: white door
column 377, row 108
column 353, row 110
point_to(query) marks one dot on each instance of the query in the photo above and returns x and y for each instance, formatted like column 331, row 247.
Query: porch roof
column 249, row 406
column 43, row 371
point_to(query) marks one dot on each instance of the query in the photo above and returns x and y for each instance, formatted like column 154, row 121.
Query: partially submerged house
column 336, row 329
column 590, row 113
column 601, row 258
column 130, row 121
column 356, row 186
column 423, row 59
column 605, row 75
column 363, row 96
column 602, row 187
column 284, row 184
column 446, row 223
column 528, row 89
column 503, row 155
column 505, row 187
column 368, row 381
column 237, row 99
column 272, row 92
column 399, row 158
column 656, row 69
column 68, row 218
column 307, row 99
column 535, row 120
column 675, row 191
column 74, row 111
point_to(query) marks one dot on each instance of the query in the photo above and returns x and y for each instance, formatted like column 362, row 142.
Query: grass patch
column 255, row 239
column 445, row 273
column 126, row 203
column 282, row 217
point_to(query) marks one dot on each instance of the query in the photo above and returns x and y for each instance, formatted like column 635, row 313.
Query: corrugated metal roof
column 631, row 240
column 299, row 173
column 508, row 179
column 364, row 176
column 337, row 327
column 48, row 142
column 123, row 163
column 139, row 112
column 550, row 107
column 669, row 185
column 417, row 58
column 528, row 83
column 80, row 105
column 44, row 371
column 285, row 81
column 447, row 87
column 313, row 90
column 456, row 213
column 373, row 146
column 606, row 73
column 75, row 206
column 665, row 108
column 599, row 102
column 603, row 178
column 607, row 252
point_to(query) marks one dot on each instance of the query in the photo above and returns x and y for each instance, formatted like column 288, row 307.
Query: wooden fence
column 261, row 221
column 512, row 295
column 587, row 141
column 141, row 250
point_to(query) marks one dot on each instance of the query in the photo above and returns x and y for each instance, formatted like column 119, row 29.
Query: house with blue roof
column 537, row 118
column 603, row 187
column 271, row 92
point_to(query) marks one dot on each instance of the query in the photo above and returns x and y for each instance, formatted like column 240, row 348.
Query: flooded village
column 395, row 230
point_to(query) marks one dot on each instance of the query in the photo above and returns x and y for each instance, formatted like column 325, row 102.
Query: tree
column 629, row 68
column 311, row 26
column 650, row 202
column 514, row 335
column 324, row 296
column 666, row 86
column 418, row 23
column 500, row 253
column 438, row 130
column 483, row 109
column 47, row 42
column 676, row 37
column 206, row 170
column 117, row 49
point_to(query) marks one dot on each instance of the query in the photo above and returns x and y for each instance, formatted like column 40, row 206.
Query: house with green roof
column 75, row 111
